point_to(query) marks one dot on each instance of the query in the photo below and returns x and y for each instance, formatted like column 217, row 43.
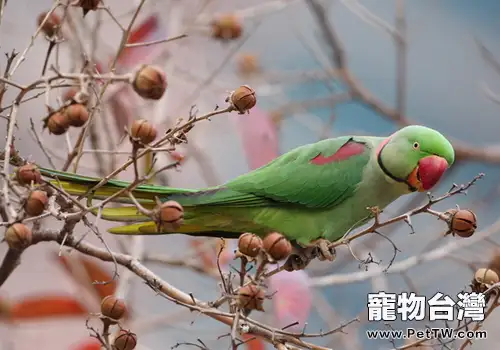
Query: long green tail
column 195, row 218
column 79, row 185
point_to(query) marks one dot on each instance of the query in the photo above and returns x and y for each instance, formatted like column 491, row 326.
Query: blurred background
column 283, row 55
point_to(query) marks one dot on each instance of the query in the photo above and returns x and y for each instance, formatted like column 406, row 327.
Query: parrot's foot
column 323, row 250
column 304, row 255
column 300, row 259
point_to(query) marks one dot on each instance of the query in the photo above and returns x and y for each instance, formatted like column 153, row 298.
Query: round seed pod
column 227, row 27
column 113, row 307
column 125, row 340
column 250, row 244
column 51, row 25
column 248, row 64
column 57, row 123
column 88, row 5
column 171, row 215
column 251, row 297
column 463, row 223
column 486, row 276
column 243, row 98
column 277, row 246
column 36, row 203
column 144, row 131
column 77, row 114
column 27, row 174
column 18, row 236
column 150, row 82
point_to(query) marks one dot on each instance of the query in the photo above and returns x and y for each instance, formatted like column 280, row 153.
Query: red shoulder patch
column 349, row 149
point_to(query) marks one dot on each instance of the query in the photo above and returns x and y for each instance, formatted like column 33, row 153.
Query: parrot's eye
column 416, row 145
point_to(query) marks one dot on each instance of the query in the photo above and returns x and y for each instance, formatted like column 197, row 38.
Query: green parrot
column 316, row 192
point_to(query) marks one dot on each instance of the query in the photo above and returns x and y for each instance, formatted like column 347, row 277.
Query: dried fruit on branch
column 486, row 276
column 144, row 131
column 36, row 203
column 251, row 297
column 483, row 279
column 88, row 5
column 113, row 307
column 150, row 82
column 169, row 215
column 227, row 27
column 57, row 123
column 18, row 236
column 77, row 114
column 462, row 222
column 125, row 340
column 27, row 174
column 248, row 64
column 277, row 246
column 51, row 25
column 243, row 98
column 250, row 244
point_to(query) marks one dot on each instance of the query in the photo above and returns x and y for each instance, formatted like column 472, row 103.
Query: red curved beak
column 428, row 172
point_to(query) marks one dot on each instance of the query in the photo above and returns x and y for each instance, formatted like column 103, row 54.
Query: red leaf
column 142, row 33
column 255, row 344
column 145, row 28
column 37, row 307
column 90, row 344
column 95, row 273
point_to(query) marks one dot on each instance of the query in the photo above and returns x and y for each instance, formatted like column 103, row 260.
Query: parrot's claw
column 300, row 258
column 323, row 250
column 297, row 262
column 304, row 255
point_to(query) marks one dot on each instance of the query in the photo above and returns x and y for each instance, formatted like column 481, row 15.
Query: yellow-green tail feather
column 198, row 222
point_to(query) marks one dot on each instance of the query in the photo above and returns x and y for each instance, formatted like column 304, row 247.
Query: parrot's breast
column 373, row 191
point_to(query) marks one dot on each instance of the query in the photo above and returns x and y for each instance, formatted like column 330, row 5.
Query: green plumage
column 302, row 198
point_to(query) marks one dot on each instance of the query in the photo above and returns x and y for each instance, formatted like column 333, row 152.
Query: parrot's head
column 416, row 155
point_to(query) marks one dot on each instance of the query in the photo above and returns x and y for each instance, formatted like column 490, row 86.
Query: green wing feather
column 291, row 180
